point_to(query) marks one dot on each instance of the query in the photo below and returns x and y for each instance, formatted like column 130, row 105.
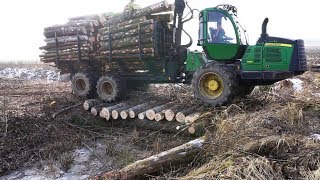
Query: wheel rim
column 211, row 85
column 107, row 89
column 80, row 85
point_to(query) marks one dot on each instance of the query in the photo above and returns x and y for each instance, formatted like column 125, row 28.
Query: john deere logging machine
column 227, row 67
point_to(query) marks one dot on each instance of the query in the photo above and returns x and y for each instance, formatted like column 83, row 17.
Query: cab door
column 220, row 36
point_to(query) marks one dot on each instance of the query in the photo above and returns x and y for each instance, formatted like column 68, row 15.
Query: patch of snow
column 316, row 94
column 85, row 165
column 82, row 155
column 197, row 143
column 297, row 84
column 183, row 153
column 32, row 74
column 315, row 137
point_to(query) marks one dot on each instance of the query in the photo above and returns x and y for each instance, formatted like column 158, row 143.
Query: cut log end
column 86, row 106
column 115, row 114
column 169, row 115
column 192, row 118
column 132, row 114
column 141, row 116
column 104, row 113
column 151, row 114
column 180, row 117
column 94, row 111
column 192, row 129
column 123, row 115
column 159, row 117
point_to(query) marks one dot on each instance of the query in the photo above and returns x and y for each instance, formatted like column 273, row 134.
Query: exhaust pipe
column 264, row 27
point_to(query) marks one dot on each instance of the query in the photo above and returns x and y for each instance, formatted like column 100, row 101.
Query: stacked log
column 67, row 41
column 132, row 38
column 152, row 115
column 119, row 37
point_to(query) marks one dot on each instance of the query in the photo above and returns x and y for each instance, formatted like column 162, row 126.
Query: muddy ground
column 75, row 145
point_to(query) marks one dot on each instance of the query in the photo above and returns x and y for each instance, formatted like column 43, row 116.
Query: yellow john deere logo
column 278, row 44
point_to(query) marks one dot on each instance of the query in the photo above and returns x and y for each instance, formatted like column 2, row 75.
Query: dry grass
column 266, row 136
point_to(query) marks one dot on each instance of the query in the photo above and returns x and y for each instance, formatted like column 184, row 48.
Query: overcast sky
column 22, row 21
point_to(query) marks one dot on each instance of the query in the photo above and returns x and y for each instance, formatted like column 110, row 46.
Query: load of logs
column 105, row 36
column 166, row 116
column 67, row 41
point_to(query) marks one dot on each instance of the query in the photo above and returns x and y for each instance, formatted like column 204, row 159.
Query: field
column 272, row 133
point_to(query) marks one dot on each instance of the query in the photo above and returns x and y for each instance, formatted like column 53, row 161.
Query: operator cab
column 220, row 35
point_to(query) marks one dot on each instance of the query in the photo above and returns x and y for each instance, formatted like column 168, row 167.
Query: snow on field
column 85, row 163
column 296, row 84
column 32, row 74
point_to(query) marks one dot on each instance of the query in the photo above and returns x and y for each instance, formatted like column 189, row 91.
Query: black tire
column 225, row 82
column 110, row 88
column 83, row 85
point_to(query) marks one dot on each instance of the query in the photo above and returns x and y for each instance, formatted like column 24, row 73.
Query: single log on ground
column 116, row 112
column 198, row 127
column 88, row 104
column 95, row 110
column 142, row 115
column 106, row 111
column 175, row 156
column 151, row 113
column 171, row 112
column 180, row 116
column 134, row 111
column 192, row 118
column 159, row 116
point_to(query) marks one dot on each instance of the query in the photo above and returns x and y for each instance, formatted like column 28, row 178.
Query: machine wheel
column 83, row 85
column 214, row 84
column 109, row 88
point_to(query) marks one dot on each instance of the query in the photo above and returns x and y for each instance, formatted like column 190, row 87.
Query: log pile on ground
column 152, row 115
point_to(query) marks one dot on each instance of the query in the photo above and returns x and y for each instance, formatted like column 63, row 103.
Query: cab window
column 220, row 29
